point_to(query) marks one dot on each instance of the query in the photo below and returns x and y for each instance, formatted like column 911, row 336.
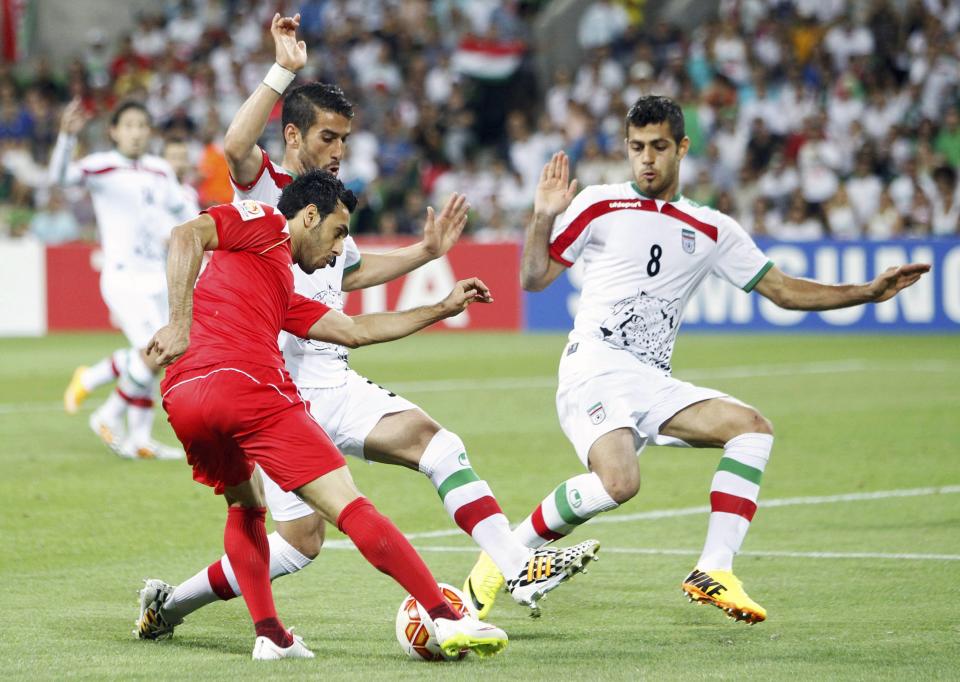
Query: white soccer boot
column 152, row 624
column 266, row 650
column 546, row 569
column 110, row 431
column 151, row 449
column 468, row 633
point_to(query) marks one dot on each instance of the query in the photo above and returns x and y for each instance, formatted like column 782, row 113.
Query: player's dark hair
column 318, row 187
column 127, row 105
column 300, row 106
column 656, row 109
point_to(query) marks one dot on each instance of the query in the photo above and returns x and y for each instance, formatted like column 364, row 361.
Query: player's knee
column 305, row 537
column 622, row 485
column 751, row 421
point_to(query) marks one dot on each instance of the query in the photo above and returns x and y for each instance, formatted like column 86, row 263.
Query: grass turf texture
column 81, row 527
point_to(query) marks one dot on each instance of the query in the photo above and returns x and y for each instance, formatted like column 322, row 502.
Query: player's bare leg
column 747, row 438
column 336, row 498
column 412, row 439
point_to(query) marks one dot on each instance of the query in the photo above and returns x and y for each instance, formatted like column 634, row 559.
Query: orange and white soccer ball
column 415, row 629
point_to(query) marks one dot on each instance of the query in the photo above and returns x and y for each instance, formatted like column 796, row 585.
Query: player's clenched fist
column 465, row 292
column 169, row 343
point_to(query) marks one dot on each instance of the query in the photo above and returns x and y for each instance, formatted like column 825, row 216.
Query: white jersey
column 642, row 260
column 312, row 364
column 137, row 202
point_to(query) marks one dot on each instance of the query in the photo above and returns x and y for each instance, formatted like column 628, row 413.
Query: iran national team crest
column 688, row 239
column 596, row 413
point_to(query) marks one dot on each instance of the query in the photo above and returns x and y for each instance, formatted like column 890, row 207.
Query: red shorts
column 229, row 418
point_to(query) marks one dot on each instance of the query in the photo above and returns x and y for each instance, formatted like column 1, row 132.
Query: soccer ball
column 415, row 629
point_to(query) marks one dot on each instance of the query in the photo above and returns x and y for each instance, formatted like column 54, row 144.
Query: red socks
column 384, row 546
column 245, row 541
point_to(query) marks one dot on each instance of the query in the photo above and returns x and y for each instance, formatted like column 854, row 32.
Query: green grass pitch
column 860, row 588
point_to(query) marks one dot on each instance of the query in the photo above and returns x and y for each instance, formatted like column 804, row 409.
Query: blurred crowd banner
column 933, row 304
column 49, row 289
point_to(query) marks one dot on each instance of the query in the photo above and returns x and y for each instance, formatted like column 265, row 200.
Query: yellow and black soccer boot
column 725, row 591
column 483, row 584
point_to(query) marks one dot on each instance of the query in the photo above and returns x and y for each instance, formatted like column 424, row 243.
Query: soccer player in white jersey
column 362, row 419
column 137, row 200
column 645, row 249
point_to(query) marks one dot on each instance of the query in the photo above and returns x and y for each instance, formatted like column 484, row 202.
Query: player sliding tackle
column 645, row 250
column 360, row 417
column 233, row 405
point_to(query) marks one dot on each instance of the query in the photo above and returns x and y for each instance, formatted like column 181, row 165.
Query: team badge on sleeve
column 596, row 413
column 688, row 240
column 249, row 209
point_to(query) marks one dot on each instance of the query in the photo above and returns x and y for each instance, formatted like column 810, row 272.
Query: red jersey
column 245, row 295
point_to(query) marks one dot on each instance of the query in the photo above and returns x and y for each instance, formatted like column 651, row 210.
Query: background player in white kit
column 645, row 250
column 137, row 200
column 362, row 419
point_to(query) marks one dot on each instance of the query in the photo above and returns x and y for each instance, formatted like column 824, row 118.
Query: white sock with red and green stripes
column 136, row 386
column 572, row 503
column 470, row 502
column 733, row 498
column 105, row 371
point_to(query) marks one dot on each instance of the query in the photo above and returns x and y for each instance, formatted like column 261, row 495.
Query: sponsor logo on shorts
column 688, row 239
column 572, row 348
column 576, row 499
column 596, row 413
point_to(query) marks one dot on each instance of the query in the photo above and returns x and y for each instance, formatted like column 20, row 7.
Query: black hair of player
column 318, row 187
column 126, row 106
column 300, row 106
column 652, row 109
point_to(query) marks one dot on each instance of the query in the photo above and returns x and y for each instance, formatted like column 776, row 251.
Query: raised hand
column 291, row 54
column 465, row 292
column 441, row 232
column 555, row 191
column 893, row 280
column 74, row 117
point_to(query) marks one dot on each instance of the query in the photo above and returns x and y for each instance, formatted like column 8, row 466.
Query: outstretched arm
column 555, row 191
column 187, row 244
column 440, row 233
column 795, row 293
column 244, row 157
column 62, row 171
column 364, row 330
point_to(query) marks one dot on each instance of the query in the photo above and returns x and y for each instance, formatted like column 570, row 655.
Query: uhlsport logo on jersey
column 688, row 239
column 596, row 413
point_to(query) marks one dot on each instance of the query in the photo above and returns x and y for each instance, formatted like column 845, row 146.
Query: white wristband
column 278, row 78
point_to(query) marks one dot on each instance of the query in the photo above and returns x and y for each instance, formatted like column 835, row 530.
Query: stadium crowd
column 808, row 119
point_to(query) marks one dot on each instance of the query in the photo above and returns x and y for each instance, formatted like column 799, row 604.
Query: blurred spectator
column 945, row 203
column 602, row 24
column 16, row 123
column 886, row 222
column 841, row 219
column 864, row 189
column 947, row 141
column 55, row 223
column 799, row 223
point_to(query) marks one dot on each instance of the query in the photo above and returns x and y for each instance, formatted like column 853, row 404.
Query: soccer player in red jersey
column 233, row 405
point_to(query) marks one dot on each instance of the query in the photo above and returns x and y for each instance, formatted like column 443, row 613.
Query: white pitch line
column 346, row 544
column 549, row 382
column 694, row 511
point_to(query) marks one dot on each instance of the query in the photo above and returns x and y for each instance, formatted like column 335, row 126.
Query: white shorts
column 602, row 389
column 348, row 414
column 137, row 302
